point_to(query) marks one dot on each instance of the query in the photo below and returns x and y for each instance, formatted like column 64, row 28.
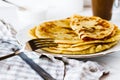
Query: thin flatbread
column 93, row 49
column 89, row 28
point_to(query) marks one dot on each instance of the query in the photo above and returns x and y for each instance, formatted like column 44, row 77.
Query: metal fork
column 33, row 45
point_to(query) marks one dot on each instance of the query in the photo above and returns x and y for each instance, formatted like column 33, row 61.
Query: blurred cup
column 102, row 8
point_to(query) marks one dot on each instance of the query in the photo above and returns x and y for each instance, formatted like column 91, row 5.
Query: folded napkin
column 15, row 68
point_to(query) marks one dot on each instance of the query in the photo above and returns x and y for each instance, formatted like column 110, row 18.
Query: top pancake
column 58, row 29
column 89, row 28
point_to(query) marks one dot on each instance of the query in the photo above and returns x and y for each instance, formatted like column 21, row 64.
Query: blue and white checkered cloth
column 15, row 68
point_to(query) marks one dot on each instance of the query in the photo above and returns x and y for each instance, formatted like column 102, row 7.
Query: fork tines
column 42, row 43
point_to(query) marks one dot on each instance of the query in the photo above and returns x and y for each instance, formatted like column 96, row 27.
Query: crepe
column 69, row 41
column 114, row 38
column 91, row 50
column 58, row 29
column 89, row 28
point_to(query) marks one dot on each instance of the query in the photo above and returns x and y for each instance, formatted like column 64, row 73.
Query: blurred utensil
column 19, row 7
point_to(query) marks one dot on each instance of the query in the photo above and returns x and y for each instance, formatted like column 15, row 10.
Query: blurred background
column 26, row 12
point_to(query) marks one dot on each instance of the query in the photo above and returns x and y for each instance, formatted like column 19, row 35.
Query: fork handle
column 36, row 67
column 32, row 64
column 7, row 56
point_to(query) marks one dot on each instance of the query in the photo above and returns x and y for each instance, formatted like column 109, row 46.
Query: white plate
column 23, row 37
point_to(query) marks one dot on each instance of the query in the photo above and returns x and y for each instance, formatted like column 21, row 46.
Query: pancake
column 114, row 38
column 90, row 28
column 91, row 50
column 58, row 29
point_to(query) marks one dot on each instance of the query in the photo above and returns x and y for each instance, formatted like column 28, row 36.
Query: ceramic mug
column 102, row 8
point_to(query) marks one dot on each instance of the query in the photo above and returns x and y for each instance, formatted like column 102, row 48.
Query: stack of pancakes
column 78, row 34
